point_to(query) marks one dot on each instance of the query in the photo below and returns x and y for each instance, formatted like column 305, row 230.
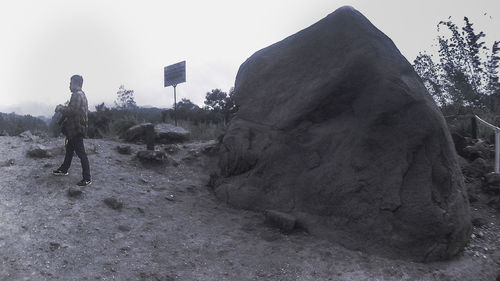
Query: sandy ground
column 171, row 227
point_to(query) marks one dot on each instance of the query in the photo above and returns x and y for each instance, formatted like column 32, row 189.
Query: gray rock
column 113, row 203
column 152, row 157
column 74, row 192
column 333, row 122
column 136, row 132
column 283, row 221
column 171, row 149
column 8, row 163
column 27, row 136
column 39, row 151
column 478, row 168
column 492, row 183
column 494, row 203
column 479, row 222
column 480, row 149
column 168, row 133
column 124, row 149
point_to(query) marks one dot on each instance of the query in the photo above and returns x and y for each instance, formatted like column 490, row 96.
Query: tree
column 220, row 104
column 125, row 99
column 465, row 74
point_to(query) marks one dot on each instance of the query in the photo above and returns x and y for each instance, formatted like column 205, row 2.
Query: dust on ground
column 164, row 223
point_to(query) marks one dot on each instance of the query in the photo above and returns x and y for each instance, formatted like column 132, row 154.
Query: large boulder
column 164, row 133
column 335, row 128
column 136, row 132
column 168, row 133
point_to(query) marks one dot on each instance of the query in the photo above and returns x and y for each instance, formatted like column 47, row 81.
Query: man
column 74, row 122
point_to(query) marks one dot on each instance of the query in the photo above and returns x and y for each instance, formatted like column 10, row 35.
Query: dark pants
column 75, row 144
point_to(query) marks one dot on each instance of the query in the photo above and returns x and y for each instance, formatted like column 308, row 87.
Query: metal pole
column 474, row 127
column 497, row 151
column 175, row 106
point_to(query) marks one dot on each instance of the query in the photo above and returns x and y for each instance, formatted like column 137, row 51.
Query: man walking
column 74, row 123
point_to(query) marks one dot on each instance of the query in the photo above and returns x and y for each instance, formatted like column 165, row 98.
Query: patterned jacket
column 74, row 116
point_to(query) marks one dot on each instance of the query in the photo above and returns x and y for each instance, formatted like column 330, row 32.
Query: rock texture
column 335, row 128
column 168, row 133
column 164, row 133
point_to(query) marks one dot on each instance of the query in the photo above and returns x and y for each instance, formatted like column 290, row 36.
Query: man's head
column 76, row 83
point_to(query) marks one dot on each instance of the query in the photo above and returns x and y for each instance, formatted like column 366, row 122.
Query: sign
column 174, row 74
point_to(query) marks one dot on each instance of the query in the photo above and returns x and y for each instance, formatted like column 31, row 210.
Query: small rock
column 170, row 197
column 124, row 228
column 124, row 149
column 171, row 149
column 113, row 203
column 39, row 151
column 494, row 203
column 492, row 183
column 479, row 222
column 74, row 192
column 54, row 246
column 152, row 157
column 283, row 221
column 27, row 136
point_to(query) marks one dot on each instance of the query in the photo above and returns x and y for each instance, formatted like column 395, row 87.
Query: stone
column 480, row 149
column 124, row 228
column 168, row 133
column 74, row 192
column 492, row 183
column 494, row 203
column 479, row 222
column 124, row 149
column 283, row 221
column 152, row 157
column 460, row 143
column 171, row 149
column 136, row 132
column 113, row 203
column 8, row 163
column 39, row 151
column 334, row 124
column 54, row 246
column 477, row 168
column 27, row 136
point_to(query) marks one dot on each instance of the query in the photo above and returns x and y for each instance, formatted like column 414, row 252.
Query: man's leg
column 70, row 149
column 80, row 151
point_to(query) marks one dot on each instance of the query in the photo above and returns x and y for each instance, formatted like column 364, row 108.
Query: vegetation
column 13, row 124
column 464, row 79
column 203, row 123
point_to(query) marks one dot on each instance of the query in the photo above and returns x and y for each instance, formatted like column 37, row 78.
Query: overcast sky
column 111, row 43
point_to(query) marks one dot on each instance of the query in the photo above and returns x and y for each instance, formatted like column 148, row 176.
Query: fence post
column 497, row 151
column 150, row 137
column 473, row 127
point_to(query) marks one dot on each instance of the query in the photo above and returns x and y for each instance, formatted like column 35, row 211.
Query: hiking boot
column 59, row 172
column 84, row 182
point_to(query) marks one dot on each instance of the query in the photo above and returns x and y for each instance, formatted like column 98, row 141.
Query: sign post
column 174, row 74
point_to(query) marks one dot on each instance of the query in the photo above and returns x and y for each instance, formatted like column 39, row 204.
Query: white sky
column 128, row 42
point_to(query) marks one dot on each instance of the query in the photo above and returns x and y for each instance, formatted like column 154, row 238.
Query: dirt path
column 170, row 227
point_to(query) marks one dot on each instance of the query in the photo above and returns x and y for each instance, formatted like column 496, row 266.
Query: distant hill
column 14, row 124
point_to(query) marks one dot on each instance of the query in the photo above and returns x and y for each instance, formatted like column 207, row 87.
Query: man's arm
column 73, row 107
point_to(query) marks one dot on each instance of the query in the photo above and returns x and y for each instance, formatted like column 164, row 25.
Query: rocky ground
column 142, row 221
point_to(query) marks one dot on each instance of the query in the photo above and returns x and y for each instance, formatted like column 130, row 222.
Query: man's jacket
column 74, row 116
